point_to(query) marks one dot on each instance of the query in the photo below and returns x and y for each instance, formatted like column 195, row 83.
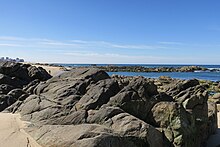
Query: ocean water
column 212, row 76
column 145, row 65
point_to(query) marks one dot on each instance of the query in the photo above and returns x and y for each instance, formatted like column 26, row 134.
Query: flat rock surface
column 12, row 132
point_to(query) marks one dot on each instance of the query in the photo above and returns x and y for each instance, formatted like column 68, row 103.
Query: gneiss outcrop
column 13, row 77
column 87, row 108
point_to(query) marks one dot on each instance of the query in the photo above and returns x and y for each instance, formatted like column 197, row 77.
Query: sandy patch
column 12, row 132
column 52, row 70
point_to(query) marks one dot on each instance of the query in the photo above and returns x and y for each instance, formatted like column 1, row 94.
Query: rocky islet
column 137, row 68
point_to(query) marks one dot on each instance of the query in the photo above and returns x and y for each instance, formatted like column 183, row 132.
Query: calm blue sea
column 212, row 76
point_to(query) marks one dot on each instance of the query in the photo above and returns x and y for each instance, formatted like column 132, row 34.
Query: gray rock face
column 212, row 117
column 175, row 122
column 8, row 99
column 61, row 98
column 13, row 77
column 85, row 107
column 128, row 126
column 84, row 135
column 23, row 73
column 38, row 73
column 5, row 88
column 98, row 94
column 13, row 69
column 130, row 101
column 12, row 81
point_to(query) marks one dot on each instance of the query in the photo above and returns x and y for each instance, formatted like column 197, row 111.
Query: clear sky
column 111, row 31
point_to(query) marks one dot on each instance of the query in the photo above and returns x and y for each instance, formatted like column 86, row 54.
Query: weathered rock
column 13, row 69
column 17, row 93
column 212, row 119
column 23, row 72
column 5, row 101
column 174, row 87
column 98, row 94
column 128, row 126
column 175, row 123
column 15, row 75
column 5, row 88
column 162, row 96
column 191, row 69
column 31, row 86
column 102, row 115
column 12, row 81
column 38, row 73
column 73, row 118
column 84, row 73
column 11, row 98
column 138, row 97
column 144, row 87
column 53, row 101
column 194, row 100
column 91, row 109
column 85, row 135
column 189, row 83
column 69, row 83
column 129, row 100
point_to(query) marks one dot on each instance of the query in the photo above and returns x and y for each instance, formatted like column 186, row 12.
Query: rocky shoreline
column 113, row 68
column 135, row 68
column 151, row 69
column 85, row 107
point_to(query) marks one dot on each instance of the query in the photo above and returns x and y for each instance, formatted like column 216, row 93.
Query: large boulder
column 130, row 101
column 177, row 86
column 174, row 121
column 15, row 76
column 98, row 94
column 23, row 72
column 60, row 97
column 138, row 97
column 38, row 73
column 128, row 126
column 13, row 69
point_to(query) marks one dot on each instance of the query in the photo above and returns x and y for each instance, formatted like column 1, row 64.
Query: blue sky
column 111, row 31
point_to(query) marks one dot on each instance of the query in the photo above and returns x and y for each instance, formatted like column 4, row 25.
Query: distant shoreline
column 210, row 72
column 139, row 67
